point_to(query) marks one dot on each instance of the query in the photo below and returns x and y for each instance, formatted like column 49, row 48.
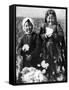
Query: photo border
column 39, row 6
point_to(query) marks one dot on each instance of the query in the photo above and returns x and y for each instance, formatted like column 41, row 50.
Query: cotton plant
column 44, row 65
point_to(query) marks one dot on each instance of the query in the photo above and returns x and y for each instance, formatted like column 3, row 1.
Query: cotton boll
column 43, row 64
column 38, row 65
column 25, row 47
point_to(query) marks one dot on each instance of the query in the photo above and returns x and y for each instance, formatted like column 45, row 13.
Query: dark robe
column 52, row 48
column 34, row 43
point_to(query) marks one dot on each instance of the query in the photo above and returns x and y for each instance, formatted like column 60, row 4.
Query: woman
column 53, row 45
column 29, row 46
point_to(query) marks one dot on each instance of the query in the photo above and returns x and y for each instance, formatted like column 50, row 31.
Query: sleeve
column 60, row 32
column 42, row 29
column 19, row 46
column 42, row 32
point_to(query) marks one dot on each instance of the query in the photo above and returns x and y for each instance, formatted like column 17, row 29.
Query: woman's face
column 28, row 27
column 50, row 19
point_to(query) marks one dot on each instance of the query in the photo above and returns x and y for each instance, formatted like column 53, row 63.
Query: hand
column 49, row 35
column 28, row 57
column 25, row 47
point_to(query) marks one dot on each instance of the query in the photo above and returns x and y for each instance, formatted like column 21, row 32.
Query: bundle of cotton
column 49, row 32
column 25, row 47
column 32, row 75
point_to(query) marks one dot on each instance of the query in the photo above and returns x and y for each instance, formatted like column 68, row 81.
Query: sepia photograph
column 41, row 44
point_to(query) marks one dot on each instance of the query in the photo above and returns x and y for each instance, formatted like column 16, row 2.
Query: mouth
column 27, row 31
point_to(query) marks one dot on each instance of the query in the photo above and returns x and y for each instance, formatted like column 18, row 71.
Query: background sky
column 38, row 12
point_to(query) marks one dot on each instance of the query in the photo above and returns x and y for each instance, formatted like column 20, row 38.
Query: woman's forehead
column 50, row 15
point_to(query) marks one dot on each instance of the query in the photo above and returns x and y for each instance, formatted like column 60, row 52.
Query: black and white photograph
column 41, row 44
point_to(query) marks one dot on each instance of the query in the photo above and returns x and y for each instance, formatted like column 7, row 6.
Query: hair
column 50, row 12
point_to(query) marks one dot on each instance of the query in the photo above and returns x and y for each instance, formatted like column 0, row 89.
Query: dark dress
column 33, row 41
column 53, row 49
